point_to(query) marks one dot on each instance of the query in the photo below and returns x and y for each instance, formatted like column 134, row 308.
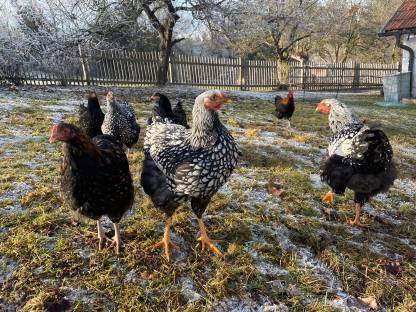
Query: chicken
column 285, row 107
column 120, row 122
column 91, row 117
column 163, row 109
column 359, row 157
column 95, row 177
column 195, row 163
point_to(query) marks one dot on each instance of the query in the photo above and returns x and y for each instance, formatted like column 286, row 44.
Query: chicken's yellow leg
column 356, row 222
column 166, row 243
column 329, row 198
column 205, row 240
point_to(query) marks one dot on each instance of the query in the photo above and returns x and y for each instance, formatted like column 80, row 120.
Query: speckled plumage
column 196, row 162
column 95, row 177
column 359, row 157
column 120, row 122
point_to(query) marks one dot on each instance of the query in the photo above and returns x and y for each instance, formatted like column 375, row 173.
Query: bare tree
column 277, row 28
column 164, row 15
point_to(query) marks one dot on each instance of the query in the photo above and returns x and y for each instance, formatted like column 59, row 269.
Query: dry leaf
column 371, row 302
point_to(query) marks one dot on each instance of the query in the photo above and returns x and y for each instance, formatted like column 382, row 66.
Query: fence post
column 85, row 66
column 356, row 80
column 302, row 73
column 242, row 77
column 170, row 69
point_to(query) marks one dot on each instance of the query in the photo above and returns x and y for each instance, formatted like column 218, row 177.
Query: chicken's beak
column 319, row 107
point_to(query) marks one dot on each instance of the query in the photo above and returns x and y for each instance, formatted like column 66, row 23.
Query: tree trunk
column 283, row 71
column 163, row 66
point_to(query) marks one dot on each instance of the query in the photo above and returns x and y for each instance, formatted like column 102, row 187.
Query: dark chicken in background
column 285, row 107
column 91, row 117
column 359, row 157
column 120, row 122
column 95, row 177
column 163, row 109
column 195, row 163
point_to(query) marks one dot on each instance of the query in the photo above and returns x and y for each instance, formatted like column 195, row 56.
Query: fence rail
column 135, row 68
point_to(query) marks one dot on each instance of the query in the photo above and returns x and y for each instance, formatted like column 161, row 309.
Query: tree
column 277, row 30
column 163, row 15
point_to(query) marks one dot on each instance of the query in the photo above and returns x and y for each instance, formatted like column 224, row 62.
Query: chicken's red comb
column 290, row 93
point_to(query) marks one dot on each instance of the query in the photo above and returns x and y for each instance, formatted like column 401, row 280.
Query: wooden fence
column 339, row 76
column 132, row 68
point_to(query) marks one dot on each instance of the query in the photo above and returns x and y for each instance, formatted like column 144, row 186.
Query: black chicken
column 120, row 122
column 91, row 117
column 359, row 158
column 95, row 177
column 195, row 163
column 163, row 109
column 284, row 108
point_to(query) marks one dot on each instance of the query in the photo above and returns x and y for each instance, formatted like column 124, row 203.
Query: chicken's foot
column 205, row 240
column 115, row 241
column 356, row 222
column 166, row 242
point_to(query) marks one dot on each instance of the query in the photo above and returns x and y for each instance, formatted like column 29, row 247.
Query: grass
column 278, row 252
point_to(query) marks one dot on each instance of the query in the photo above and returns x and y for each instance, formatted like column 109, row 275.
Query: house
column 402, row 26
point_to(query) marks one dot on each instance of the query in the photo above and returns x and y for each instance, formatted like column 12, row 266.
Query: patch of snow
column 131, row 277
column 406, row 186
column 83, row 295
column 18, row 139
column 244, row 304
column 7, row 268
column 189, row 289
column 16, row 192
column 316, row 181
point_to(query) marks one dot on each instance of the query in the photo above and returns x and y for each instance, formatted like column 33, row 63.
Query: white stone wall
column 411, row 42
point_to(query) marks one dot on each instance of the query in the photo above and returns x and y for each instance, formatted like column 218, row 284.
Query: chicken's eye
column 214, row 97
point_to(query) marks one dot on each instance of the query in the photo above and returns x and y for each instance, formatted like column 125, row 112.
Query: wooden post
column 356, row 80
column 84, row 65
column 242, row 73
column 302, row 74
column 170, row 69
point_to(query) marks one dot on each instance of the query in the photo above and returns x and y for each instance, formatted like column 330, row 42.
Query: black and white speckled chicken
column 91, row 117
column 163, row 109
column 359, row 157
column 195, row 162
column 120, row 122
column 95, row 177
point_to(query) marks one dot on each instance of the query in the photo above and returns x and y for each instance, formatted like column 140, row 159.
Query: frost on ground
column 280, row 253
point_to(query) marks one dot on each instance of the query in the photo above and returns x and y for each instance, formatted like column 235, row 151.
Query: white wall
column 411, row 42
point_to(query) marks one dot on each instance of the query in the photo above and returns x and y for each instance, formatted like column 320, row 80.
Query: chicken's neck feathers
column 340, row 116
column 205, row 127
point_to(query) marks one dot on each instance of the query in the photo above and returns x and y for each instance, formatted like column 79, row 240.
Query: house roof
column 404, row 18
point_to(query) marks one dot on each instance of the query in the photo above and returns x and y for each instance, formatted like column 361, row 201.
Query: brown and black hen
column 285, row 107
column 95, row 177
